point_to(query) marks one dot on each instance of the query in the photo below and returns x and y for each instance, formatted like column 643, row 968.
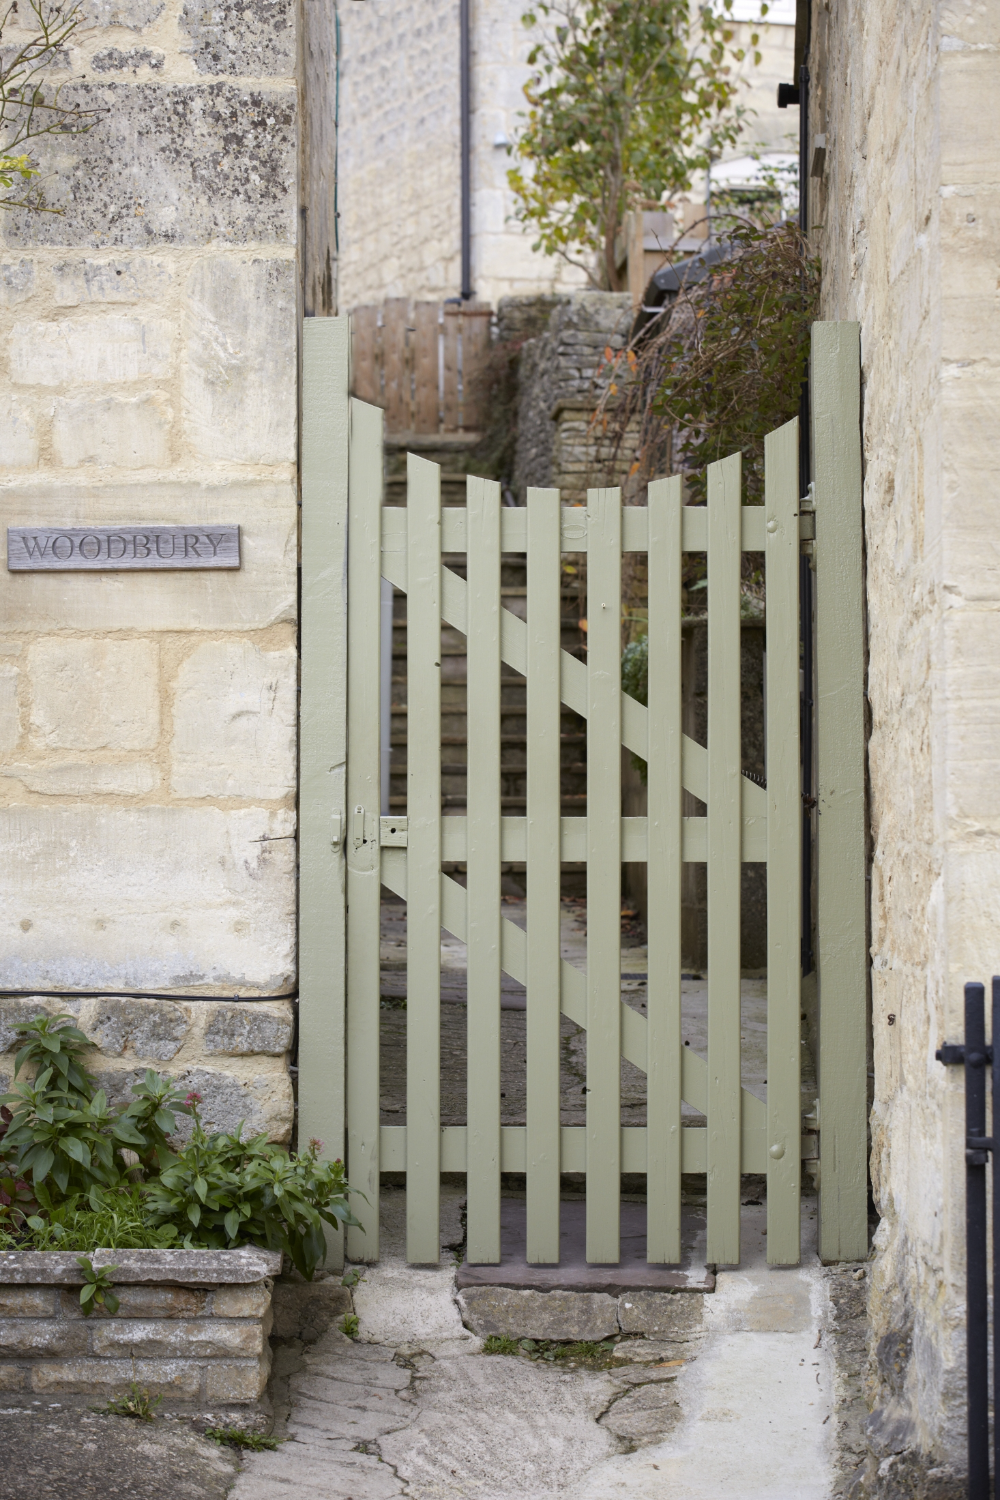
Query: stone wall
column 558, row 385
column 191, row 1328
column 148, row 374
column 911, row 210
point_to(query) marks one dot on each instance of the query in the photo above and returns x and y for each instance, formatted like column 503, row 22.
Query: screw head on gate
column 772, row 526
column 777, row 1151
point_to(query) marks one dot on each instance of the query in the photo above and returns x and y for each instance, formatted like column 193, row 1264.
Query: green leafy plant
column 239, row 1437
column 120, row 1223
column 98, row 1288
column 221, row 1191
column 30, row 106
column 349, row 1325
column 73, row 1159
column 627, row 98
column 136, row 1403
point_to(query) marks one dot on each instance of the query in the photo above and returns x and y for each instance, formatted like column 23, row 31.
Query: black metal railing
column 978, row 1057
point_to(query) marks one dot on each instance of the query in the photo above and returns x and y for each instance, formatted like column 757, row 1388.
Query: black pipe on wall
column 465, row 74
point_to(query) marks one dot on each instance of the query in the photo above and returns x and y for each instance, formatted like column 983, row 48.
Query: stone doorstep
column 192, row 1328
column 562, row 1315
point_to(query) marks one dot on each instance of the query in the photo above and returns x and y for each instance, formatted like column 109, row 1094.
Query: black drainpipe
column 465, row 46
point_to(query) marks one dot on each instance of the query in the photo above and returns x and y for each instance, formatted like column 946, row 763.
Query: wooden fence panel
column 426, row 361
column 395, row 365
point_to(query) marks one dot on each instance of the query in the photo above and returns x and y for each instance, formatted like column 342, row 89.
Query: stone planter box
column 192, row 1327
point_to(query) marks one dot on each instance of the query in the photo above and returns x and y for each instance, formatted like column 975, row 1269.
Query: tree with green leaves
column 626, row 99
column 31, row 106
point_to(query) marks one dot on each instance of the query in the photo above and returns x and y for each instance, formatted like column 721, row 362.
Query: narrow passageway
column 735, row 1400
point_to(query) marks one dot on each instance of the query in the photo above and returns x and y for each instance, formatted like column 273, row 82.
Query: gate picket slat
column 423, row 883
column 724, row 865
column 603, row 875
column 363, row 807
column 784, row 845
column 664, row 856
column 543, row 855
column 483, row 866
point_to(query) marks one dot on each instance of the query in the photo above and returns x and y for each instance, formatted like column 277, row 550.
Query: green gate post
column 840, row 825
column 323, row 739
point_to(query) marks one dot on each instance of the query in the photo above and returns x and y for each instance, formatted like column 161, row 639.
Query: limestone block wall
column 148, row 374
column 911, row 210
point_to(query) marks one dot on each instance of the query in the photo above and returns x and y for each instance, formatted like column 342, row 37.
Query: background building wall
column 148, row 374
column 910, row 208
column 399, row 188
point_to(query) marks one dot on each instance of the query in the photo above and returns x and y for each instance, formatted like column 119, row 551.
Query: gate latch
column 392, row 833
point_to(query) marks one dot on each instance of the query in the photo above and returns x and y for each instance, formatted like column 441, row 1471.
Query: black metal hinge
column 954, row 1052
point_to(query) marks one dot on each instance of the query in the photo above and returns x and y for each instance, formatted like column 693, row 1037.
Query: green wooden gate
column 342, row 823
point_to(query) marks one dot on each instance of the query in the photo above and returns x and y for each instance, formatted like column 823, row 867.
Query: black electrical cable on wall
column 6, row 994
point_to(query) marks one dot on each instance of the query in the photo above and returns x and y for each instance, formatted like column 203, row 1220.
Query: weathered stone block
column 150, row 1028
column 306, row 1310
column 14, row 1377
column 174, row 1379
column 142, row 1302
column 260, row 593
column 232, row 1380
column 241, row 1301
column 197, row 1268
column 264, row 1105
column 90, row 350
column 136, row 15
column 94, row 694
column 243, row 1030
column 78, row 779
column 18, row 434
column 215, row 907
column 27, row 1301
column 126, row 432
column 17, row 282
column 114, row 60
column 39, row 1337
column 10, row 714
column 661, row 1315
column 234, row 722
column 538, row 1315
column 13, row 1010
column 239, row 367
column 203, row 1338
column 206, row 162
column 247, row 38
column 131, row 278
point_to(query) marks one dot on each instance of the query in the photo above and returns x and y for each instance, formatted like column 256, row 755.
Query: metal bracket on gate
column 392, row 833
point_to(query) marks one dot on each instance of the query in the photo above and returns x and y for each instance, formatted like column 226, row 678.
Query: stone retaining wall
column 192, row 1327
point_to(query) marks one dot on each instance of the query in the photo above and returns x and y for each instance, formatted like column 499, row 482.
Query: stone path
column 736, row 1402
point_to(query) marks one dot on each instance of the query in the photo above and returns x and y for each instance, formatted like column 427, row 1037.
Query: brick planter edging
column 192, row 1326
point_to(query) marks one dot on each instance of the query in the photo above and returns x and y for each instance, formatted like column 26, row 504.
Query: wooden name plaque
column 37, row 549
